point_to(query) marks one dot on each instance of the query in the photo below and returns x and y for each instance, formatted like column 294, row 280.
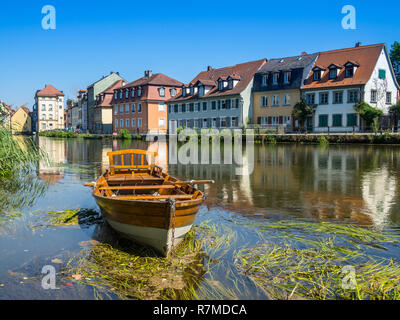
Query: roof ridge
column 353, row 48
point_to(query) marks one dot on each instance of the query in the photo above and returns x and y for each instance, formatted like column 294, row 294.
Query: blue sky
column 179, row 38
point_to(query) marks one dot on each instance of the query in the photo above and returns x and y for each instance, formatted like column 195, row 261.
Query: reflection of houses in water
column 379, row 192
column 49, row 169
column 161, row 148
column 333, row 170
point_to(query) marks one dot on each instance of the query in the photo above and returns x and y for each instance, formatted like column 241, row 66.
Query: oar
column 193, row 182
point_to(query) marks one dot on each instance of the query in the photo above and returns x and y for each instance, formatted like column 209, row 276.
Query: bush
column 125, row 134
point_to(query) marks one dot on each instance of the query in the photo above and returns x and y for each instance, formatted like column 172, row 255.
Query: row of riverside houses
column 258, row 93
column 333, row 81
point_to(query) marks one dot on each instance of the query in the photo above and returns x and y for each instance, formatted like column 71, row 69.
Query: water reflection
column 357, row 183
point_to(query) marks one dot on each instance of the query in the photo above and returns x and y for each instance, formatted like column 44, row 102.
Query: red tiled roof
column 26, row 110
column 156, row 79
column 49, row 91
column 108, row 94
column 366, row 57
column 245, row 71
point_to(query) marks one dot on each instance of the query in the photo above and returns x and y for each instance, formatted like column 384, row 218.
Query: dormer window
column 275, row 78
column 115, row 95
column 126, row 94
column 317, row 73
column 332, row 73
column 286, row 77
column 133, row 93
column 264, row 80
column 161, row 92
column 349, row 72
column 191, row 89
column 201, row 90
column 230, row 84
column 139, row 92
column 120, row 94
column 173, row 92
column 183, row 91
column 220, row 85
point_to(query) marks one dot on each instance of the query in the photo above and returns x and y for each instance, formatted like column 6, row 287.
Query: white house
column 341, row 78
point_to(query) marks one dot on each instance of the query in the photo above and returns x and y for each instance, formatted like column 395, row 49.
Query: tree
column 394, row 111
column 395, row 57
column 368, row 113
column 301, row 110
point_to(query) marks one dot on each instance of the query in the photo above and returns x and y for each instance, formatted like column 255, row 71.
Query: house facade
column 277, row 89
column 21, row 121
column 216, row 98
column 103, row 113
column 93, row 90
column 341, row 78
column 5, row 114
column 141, row 105
column 82, row 109
column 49, row 109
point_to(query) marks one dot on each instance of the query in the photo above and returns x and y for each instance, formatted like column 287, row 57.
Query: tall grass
column 17, row 155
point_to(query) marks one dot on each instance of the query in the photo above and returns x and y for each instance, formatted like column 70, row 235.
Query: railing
column 134, row 157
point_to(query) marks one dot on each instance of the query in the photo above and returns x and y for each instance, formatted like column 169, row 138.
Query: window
column 183, row 91
column 176, row 108
column 223, row 104
column 373, row 95
column 238, row 102
column 317, row 75
column 286, row 77
column 324, row 98
column 121, row 123
column 275, row 79
column 43, row 107
column 121, row 108
column 338, row 97
column 349, row 72
column 120, row 94
column 60, row 107
column 336, row 120
column 205, row 123
column 127, row 123
column 264, row 80
column 183, row 107
column 213, row 105
column 161, row 92
column 139, row 92
column 351, row 119
column 126, row 94
column 264, row 101
column 50, row 116
column 127, row 108
column 286, row 99
column 332, row 73
column 220, row 85
column 323, row 120
column 310, row 98
column 133, row 108
column 161, row 122
column 223, row 122
column 173, row 92
column 201, row 91
column 388, row 97
column 133, row 122
column 115, row 109
column 43, row 117
column 197, row 107
column 115, row 95
column 230, row 84
column 50, row 107
column 235, row 121
column 352, row 96
column 133, row 93
column 139, row 122
column 228, row 103
column 382, row 74
column 275, row 100
column 139, row 108
column 191, row 107
column 204, row 106
column 161, row 107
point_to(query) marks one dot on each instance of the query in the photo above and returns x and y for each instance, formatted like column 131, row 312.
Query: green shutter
column 382, row 74
column 337, row 120
column 323, row 121
column 351, row 119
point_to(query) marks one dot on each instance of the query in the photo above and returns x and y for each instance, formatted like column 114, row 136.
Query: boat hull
column 150, row 222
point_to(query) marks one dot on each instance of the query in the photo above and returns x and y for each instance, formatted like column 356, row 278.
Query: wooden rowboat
column 143, row 203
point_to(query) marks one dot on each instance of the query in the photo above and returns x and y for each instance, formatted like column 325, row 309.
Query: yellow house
column 277, row 88
column 21, row 121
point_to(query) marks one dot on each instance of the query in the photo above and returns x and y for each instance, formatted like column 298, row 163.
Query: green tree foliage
column 368, row 113
column 395, row 57
column 301, row 110
column 395, row 109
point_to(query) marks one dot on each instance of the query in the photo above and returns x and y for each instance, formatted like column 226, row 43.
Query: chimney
column 304, row 53
column 358, row 44
column 209, row 68
column 148, row 73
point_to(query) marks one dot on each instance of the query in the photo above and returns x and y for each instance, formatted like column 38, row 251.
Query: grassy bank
column 16, row 155
column 71, row 135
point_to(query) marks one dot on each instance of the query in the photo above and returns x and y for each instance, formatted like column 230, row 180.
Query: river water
column 337, row 183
